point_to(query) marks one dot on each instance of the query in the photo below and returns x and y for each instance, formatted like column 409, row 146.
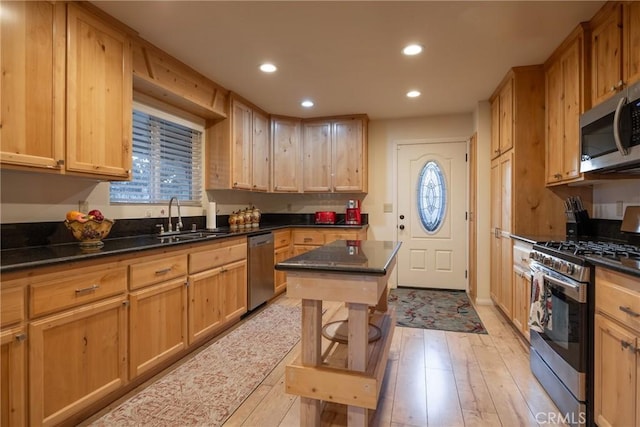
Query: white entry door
column 431, row 221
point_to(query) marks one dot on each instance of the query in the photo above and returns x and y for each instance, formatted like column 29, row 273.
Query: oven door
column 566, row 329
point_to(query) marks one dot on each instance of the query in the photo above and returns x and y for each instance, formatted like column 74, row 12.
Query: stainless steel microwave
column 610, row 134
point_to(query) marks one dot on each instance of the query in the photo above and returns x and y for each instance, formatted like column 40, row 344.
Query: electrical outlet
column 83, row 206
column 387, row 207
column 147, row 213
column 619, row 206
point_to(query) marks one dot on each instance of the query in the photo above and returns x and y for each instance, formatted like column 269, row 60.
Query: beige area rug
column 207, row 389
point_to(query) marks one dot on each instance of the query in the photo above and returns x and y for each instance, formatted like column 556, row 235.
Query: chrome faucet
column 179, row 223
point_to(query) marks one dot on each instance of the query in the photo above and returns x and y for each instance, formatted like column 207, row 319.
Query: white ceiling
column 346, row 56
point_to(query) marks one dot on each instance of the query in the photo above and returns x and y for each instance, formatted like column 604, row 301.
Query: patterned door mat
column 445, row 310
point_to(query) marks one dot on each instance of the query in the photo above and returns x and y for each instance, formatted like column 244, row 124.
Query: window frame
column 181, row 118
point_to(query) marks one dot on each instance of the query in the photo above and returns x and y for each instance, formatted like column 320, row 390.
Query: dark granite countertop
column 45, row 255
column 373, row 257
column 533, row 239
column 624, row 265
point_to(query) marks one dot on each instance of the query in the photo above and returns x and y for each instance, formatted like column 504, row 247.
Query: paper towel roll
column 211, row 216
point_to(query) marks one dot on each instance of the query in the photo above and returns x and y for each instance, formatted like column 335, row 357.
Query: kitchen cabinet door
column 349, row 157
column 631, row 41
column 76, row 358
column 205, row 305
column 316, row 163
column 606, row 52
column 234, row 290
column 99, row 97
column 32, row 84
column 157, row 324
column 506, row 117
column 13, row 377
column 286, row 155
column 260, row 152
column 280, row 277
column 521, row 300
column 242, row 130
column 495, row 128
column 616, row 371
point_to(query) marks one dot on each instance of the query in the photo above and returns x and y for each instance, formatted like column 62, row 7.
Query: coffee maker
column 352, row 216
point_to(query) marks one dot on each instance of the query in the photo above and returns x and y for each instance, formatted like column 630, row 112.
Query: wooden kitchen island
column 351, row 369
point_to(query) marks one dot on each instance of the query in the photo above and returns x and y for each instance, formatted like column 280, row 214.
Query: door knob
column 401, row 216
column 401, row 227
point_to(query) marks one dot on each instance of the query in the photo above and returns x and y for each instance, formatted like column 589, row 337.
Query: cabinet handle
column 628, row 345
column 308, row 239
column 163, row 271
column 91, row 288
column 629, row 311
column 125, row 303
column 21, row 337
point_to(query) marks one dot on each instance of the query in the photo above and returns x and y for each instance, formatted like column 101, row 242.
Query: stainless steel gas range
column 562, row 339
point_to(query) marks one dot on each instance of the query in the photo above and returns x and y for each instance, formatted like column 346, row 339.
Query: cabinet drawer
column 157, row 270
column 340, row 235
column 308, row 237
column 281, row 238
column 84, row 286
column 618, row 295
column 521, row 256
column 215, row 257
column 11, row 306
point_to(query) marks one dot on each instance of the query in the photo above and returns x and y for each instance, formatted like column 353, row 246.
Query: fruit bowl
column 90, row 232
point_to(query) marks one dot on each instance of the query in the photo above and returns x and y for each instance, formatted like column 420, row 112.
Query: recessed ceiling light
column 413, row 94
column 412, row 49
column 268, row 68
column 307, row 103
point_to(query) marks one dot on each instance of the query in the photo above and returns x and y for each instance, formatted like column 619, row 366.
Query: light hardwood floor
column 433, row 378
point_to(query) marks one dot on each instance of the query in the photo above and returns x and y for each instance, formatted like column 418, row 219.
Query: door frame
column 419, row 141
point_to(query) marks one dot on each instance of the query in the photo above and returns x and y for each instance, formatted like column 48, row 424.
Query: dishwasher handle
column 261, row 239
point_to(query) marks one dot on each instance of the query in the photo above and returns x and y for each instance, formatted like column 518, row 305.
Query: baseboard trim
column 483, row 301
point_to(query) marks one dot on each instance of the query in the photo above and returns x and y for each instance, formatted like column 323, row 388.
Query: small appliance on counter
column 352, row 216
column 325, row 217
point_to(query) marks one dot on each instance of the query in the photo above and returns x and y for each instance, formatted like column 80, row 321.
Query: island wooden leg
column 358, row 355
column 310, row 409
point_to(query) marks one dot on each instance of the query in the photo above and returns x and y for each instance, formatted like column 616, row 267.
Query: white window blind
column 167, row 161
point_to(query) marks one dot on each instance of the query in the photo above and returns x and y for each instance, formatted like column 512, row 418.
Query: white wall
column 382, row 137
column 611, row 198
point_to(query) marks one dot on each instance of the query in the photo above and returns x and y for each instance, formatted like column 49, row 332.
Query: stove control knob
column 571, row 268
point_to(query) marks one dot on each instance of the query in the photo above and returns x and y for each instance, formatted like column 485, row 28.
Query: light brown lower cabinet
column 521, row 301
column 75, row 358
column 12, row 376
column 157, row 324
column 282, row 251
column 617, row 349
column 216, row 297
column 307, row 239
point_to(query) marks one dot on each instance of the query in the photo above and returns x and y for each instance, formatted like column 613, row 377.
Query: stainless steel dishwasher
column 260, row 274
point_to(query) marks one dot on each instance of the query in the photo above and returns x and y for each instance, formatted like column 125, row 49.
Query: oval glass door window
column 432, row 196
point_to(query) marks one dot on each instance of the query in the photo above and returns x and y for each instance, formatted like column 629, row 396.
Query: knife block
column 578, row 225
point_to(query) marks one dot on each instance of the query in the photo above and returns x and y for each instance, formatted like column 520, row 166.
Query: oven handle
column 572, row 289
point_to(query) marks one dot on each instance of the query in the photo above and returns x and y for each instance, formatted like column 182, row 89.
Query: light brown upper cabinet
column 335, row 154
column 567, row 92
column 238, row 149
column 502, row 120
column 285, row 135
column 32, row 84
column 56, row 55
column 615, row 41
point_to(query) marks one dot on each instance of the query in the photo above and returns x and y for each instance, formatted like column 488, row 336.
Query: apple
column 96, row 214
